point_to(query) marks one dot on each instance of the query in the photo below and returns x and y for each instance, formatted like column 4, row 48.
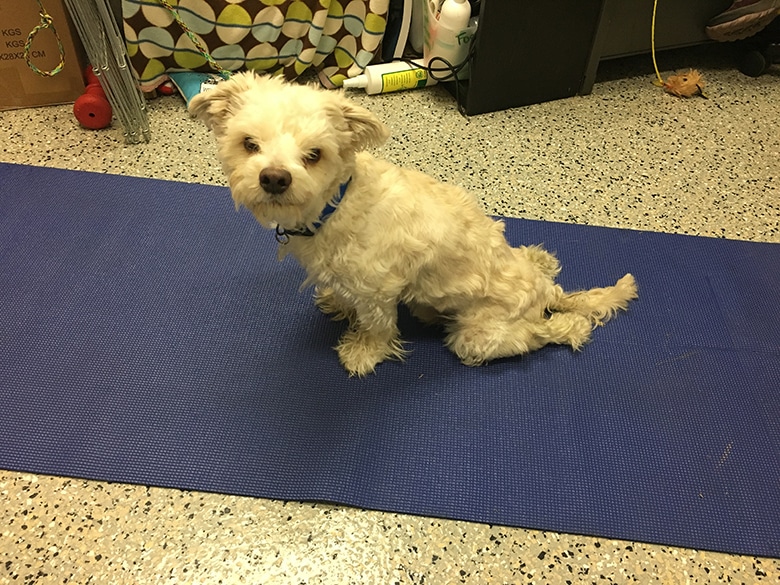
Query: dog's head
column 285, row 148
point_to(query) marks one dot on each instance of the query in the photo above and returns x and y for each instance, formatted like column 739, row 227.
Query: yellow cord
column 652, row 45
column 198, row 45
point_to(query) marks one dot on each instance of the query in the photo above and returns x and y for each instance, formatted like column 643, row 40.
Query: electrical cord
column 442, row 70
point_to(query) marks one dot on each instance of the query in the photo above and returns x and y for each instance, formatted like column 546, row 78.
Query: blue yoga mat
column 148, row 335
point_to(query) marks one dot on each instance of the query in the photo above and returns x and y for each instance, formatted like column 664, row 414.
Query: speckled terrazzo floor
column 627, row 155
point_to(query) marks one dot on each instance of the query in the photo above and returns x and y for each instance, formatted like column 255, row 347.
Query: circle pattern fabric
column 338, row 38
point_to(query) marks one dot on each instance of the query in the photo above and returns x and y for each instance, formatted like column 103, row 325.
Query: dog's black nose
column 275, row 181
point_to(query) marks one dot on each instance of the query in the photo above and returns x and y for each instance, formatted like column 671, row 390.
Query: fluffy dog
column 372, row 235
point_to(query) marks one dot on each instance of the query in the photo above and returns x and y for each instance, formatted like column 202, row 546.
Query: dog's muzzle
column 275, row 180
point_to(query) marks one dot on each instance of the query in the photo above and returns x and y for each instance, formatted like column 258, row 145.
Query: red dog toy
column 92, row 109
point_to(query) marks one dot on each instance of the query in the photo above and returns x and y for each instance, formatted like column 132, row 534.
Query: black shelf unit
column 532, row 51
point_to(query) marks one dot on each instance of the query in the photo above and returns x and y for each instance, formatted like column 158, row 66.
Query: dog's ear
column 365, row 128
column 214, row 106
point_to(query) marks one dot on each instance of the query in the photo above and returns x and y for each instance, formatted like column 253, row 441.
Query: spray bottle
column 449, row 36
column 393, row 76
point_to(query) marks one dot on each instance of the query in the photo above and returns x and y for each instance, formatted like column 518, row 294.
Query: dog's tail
column 598, row 305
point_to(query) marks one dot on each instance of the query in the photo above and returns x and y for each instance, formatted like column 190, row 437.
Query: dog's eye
column 313, row 155
column 250, row 145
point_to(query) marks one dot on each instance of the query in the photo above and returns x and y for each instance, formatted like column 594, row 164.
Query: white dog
column 371, row 234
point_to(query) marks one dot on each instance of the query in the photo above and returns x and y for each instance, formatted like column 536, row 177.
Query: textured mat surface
column 148, row 335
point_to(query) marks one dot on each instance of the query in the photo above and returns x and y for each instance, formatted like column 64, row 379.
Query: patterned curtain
column 338, row 38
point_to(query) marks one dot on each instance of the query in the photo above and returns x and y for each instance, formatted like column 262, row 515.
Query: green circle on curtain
column 297, row 20
column 335, row 17
column 233, row 24
column 153, row 69
column 375, row 24
column 262, row 57
column 345, row 52
column 186, row 55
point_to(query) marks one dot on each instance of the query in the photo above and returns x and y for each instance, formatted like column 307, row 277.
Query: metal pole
column 106, row 51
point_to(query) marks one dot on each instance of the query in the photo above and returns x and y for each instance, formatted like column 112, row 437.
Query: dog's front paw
column 327, row 301
column 360, row 351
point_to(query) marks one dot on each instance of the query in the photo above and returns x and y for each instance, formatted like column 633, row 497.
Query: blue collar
column 283, row 235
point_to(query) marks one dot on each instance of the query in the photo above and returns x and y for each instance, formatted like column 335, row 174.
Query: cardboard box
column 20, row 86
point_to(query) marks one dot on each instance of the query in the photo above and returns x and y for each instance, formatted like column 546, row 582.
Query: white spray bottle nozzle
column 356, row 82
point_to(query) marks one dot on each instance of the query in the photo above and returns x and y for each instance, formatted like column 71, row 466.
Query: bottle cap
column 356, row 82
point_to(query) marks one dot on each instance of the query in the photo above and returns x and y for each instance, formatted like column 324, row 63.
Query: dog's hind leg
column 546, row 262
column 479, row 337
column 598, row 305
